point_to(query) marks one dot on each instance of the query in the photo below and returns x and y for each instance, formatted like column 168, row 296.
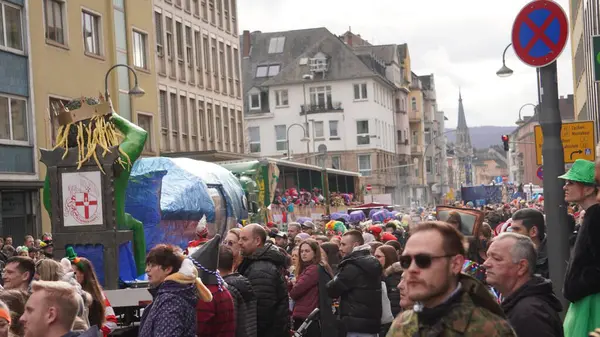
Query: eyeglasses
column 228, row 243
column 423, row 261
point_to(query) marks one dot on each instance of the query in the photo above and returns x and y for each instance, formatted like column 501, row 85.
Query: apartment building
column 199, row 78
column 306, row 88
column 19, row 169
column 73, row 45
column 585, row 24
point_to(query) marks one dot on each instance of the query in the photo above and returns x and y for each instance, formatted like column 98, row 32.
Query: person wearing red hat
column 376, row 231
column 388, row 237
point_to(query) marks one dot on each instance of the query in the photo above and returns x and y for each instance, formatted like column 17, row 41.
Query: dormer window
column 267, row 70
column 318, row 63
column 276, row 45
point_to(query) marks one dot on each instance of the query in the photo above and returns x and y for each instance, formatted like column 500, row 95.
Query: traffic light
column 505, row 142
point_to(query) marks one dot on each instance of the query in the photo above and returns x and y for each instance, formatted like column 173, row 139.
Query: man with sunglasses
column 582, row 280
column 447, row 303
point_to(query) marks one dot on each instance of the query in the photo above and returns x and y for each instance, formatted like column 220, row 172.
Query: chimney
column 246, row 43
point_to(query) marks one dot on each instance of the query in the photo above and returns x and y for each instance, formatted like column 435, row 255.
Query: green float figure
column 103, row 133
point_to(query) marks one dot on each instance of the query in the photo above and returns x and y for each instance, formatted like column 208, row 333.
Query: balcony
column 320, row 108
column 414, row 116
column 416, row 149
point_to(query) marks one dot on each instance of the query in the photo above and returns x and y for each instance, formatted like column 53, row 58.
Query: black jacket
column 265, row 271
column 583, row 273
column 392, row 277
column 244, row 302
column 358, row 285
column 541, row 265
column 533, row 310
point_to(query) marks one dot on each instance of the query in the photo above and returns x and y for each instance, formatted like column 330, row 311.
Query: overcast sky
column 460, row 42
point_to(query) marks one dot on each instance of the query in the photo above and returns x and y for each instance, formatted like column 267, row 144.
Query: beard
column 432, row 291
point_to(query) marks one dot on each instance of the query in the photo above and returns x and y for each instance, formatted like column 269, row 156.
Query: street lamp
column 305, row 78
column 524, row 105
column 304, row 139
column 504, row 71
column 136, row 91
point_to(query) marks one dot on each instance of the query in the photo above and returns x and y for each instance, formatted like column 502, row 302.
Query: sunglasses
column 423, row 261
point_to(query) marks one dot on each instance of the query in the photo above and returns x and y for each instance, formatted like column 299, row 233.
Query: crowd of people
column 408, row 275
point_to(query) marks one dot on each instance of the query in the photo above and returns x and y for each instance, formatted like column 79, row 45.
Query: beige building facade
column 199, row 80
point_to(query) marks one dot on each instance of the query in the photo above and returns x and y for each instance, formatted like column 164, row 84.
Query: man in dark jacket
column 241, row 290
column 530, row 222
column 358, row 285
column 264, row 265
column 529, row 301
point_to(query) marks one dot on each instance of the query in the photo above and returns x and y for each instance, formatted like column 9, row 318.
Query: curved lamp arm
column 504, row 54
column 524, row 105
column 136, row 90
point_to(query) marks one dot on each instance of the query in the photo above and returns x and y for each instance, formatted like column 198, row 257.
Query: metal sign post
column 539, row 35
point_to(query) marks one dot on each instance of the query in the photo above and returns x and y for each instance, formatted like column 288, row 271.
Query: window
column 202, row 120
column 206, row 56
column 162, row 105
column 179, row 36
column 159, row 34
column 280, row 137
column 362, row 133
column 174, row 113
column 188, row 6
column 211, row 9
column 91, row 33
column 204, row 11
column 233, row 15
column 194, row 118
column 320, row 96
column 360, row 91
column 413, row 103
column 254, row 135
column 364, row 164
column 222, row 66
column 11, row 29
column 255, row 101
column 333, row 129
column 170, row 46
column 428, row 165
column 55, row 107
column 218, row 122
column 319, row 132
column 236, row 60
column 219, row 12
column 196, row 6
column 211, row 121
column 276, row 45
column 55, row 19
column 261, row 71
column 199, row 67
column 230, row 70
column 13, row 119
column 215, row 62
column 145, row 122
column 336, row 162
column 140, row 53
column 226, row 15
column 281, row 98
column 225, row 125
column 273, row 70
column 184, row 115
column 188, row 47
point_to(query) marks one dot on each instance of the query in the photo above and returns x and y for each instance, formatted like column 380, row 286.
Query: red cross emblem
column 84, row 200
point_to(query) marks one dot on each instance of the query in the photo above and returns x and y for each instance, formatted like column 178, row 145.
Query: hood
column 241, row 284
column 187, row 292
column 206, row 258
column 538, row 287
column 363, row 247
column 269, row 252
column 395, row 268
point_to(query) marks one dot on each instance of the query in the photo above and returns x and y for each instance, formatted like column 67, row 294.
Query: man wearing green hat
column 582, row 280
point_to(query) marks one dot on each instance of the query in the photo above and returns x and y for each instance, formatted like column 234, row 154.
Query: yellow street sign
column 578, row 140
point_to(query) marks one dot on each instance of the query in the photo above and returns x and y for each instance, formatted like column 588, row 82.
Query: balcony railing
column 414, row 116
column 416, row 148
column 319, row 108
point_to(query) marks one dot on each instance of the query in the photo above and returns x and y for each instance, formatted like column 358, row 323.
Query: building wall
column 62, row 69
column 198, row 60
column 486, row 171
column 378, row 113
column 585, row 23
column 19, row 179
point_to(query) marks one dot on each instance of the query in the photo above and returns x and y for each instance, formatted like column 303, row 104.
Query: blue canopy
column 183, row 195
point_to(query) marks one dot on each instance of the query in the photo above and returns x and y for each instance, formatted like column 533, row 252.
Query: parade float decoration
column 86, row 179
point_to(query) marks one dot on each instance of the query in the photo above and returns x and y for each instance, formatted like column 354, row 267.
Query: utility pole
column 555, row 206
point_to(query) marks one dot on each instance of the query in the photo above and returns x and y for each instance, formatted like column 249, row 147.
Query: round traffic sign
column 540, row 172
column 540, row 32
column 369, row 187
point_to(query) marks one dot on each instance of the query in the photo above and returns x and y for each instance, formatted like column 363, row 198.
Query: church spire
column 462, row 120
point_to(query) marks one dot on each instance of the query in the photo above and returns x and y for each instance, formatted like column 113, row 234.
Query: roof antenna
column 350, row 29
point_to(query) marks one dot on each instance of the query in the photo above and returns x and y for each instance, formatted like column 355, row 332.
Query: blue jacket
column 172, row 312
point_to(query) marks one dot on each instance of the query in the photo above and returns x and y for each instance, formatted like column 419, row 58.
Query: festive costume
column 201, row 234
column 89, row 124
column 215, row 318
